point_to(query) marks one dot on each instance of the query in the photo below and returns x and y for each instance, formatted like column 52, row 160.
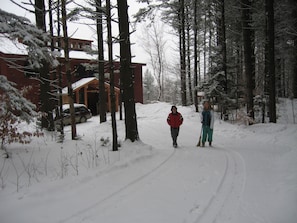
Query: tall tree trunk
column 210, row 33
column 111, row 70
column 158, row 43
column 127, row 76
column 270, row 58
column 59, row 71
column 51, row 24
column 102, row 94
column 224, row 54
column 221, row 43
column 56, row 88
column 196, row 56
column 204, row 44
column 67, row 68
column 45, row 107
column 182, row 46
column 248, row 54
column 188, row 52
column 294, row 38
column 224, row 48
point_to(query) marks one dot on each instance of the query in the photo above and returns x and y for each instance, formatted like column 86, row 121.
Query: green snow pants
column 206, row 134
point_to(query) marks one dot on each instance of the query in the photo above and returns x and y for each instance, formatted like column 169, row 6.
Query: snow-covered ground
column 248, row 176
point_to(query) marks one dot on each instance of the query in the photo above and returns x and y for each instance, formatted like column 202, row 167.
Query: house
column 14, row 65
column 86, row 91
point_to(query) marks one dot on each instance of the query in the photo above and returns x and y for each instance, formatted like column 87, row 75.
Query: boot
column 174, row 144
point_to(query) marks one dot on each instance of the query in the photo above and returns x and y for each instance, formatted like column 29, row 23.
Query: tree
column 188, row 49
column 182, row 51
column 196, row 57
column 222, row 41
column 292, row 31
column 174, row 14
column 59, row 72
column 285, row 13
column 102, row 94
column 127, row 77
column 39, row 57
column 14, row 109
column 270, row 58
column 154, row 45
column 111, row 70
column 67, row 68
column 45, row 107
column 149, row 86
column 248, row 53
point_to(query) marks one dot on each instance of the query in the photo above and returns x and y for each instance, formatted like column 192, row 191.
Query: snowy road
column 189, row 184
column 234, row 181
column 170, row 192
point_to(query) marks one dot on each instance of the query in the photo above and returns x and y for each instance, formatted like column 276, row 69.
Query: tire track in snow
column 133, row 182
column 220, row 207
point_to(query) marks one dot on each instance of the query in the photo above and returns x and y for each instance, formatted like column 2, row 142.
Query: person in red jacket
column 175, row 119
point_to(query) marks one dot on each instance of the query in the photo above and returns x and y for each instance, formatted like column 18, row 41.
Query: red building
column 14, row 65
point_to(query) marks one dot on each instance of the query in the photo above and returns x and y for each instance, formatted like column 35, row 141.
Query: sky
column 83, row 31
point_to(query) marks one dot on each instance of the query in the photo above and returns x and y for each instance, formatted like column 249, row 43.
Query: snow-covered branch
column 20, row 28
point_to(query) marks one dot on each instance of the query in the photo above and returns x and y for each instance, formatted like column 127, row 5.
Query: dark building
column 14, row 65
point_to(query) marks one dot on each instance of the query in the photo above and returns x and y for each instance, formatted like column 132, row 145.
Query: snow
column 78, row 84
column 74, row 54
column 9, row 46
column 249, row 175
column 67, row 106
column 13, row 46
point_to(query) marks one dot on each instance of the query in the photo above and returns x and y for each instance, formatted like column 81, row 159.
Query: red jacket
column 175, row 120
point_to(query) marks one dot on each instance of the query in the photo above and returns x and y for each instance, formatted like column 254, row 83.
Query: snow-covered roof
column 79, row 55
column 79, row 84
column 10, row 46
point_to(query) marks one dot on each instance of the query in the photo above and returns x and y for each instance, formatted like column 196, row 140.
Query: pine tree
column 68, row 71
column 293, row 34
column 196, row 56
column 14, row 108
column 102, row 94
column 111, row 70
column 248, row 53
column 127, row 77
column 270, row 58
column 182, row 51
column 46, row 107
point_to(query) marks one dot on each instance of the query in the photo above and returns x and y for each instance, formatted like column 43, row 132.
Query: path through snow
column 238, row 180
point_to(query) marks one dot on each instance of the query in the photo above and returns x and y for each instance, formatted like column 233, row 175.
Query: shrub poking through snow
column 105, row 142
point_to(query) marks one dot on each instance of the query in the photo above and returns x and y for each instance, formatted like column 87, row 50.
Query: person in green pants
column 207, row 123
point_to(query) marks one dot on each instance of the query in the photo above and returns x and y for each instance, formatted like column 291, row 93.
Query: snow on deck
column 79, row 84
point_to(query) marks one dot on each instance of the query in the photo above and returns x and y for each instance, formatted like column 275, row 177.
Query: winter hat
column 173, row 106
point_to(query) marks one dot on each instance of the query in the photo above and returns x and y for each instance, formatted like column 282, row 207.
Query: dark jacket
column 207, row 118
column 175, row 120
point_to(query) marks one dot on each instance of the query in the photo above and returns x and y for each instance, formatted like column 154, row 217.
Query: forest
column 241, row 54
